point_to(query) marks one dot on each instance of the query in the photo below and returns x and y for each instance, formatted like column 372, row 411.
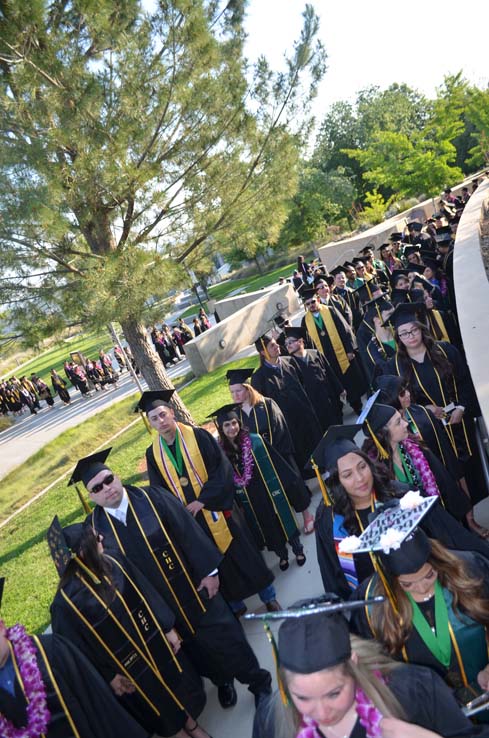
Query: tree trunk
column 150, row 365
column 260, row 270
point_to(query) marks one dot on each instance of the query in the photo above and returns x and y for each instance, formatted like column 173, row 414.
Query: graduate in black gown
column 74, row 702
column 319, row 380
column 278, row 378
column 419, row 622
column 333, row 684
column 329, row 336
column 108, row 609
column 355, row 486
column 155, row 532
column 263, row 416
column 376, row 311
column 189, row 463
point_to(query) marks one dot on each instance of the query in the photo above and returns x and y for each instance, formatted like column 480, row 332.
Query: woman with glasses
column 106, row 607
column 435, row 612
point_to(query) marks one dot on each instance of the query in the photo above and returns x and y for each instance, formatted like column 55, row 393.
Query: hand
column 173, row 639
column 456, row 416
column 438, row 412
column 394, row 728
column 195, row 507
column 211, row 584
column 351, row 356
column 122, row 685
column 343, row 396
column 483, row 679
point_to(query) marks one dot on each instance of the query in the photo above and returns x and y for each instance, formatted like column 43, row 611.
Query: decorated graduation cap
column 412, row 554
column 151, row 399
column 239, row 376
column 373, row 417
column 389, row 386
column 395, row 236
column 226, row 412
column 314, row 635
column 64, row 544
column 295, row 331
column 88, row 467
column 407, row 312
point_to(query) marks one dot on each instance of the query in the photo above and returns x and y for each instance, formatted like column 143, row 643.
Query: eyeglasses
column 99, row 487
column 312, row 301
column 290, row 341
column 409, row 334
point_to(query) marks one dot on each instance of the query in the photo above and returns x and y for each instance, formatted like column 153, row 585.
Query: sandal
column 309, row 527
column 283, row 564
column 301, row 559
column 479, row 530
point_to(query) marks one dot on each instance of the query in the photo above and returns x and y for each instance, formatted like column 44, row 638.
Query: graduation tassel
column 86, row 507
column 265, row 350
column 146, row 422
column 381, row 450
column 322, row 486
column 281, row 687
column 387, row 587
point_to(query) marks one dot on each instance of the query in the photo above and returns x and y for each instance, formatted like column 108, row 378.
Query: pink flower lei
column 422, row 467
column 247, row 462
column 369, row 716
column 37, row 711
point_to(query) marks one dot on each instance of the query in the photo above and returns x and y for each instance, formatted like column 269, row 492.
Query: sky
column 378, row 42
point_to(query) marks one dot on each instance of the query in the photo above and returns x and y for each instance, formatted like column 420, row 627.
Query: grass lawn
column 249, row 284
column 88, row 344
column 31, row 578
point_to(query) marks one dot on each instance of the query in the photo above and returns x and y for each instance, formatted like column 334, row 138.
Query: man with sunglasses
column 159, row 536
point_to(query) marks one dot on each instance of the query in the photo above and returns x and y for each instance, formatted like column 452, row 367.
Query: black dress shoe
column 226, row 694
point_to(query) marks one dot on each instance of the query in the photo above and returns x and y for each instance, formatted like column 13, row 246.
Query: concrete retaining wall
column 230, row 305
column 221, row 342
column 472, row 294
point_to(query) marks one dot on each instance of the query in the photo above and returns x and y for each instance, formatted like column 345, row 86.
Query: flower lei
column 38, row 715
column 422, row 467
column 247, row 463
column 369, row 716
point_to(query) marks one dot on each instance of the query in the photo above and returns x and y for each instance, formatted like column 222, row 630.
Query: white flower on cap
column 349, row 544
column 391, row 539
column 411, row 500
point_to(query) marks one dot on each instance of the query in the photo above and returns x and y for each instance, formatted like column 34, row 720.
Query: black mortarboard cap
column 415, row 226
column 407, row 312
column 226, row 412
column 397, row 274
column 239, row 376
column 421, row 279
column 295, row 331
column 366, row 290
column 418, row 268
column 444, row 240
column 153, row 398
column 357, row 259
column 336, row 442
column 399, row 296
column 323, row 278
column 262, row 342
column 384, row 246
column 395, row 236
column 313, row 643
column 366, row 248
column 412, row 554
column 377, row 417
column 308, row 293
column 410, row 249
column 444, row 230
column 337, row 270
column 433, row 264
column 348, row 265
column 389, row 386
column 59, row 548
column 89, row 467
column 416, row 295
column 382, row 302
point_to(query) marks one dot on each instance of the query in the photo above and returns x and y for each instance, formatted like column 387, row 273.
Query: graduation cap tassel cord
column 281, row 687
column 382, row 452
column 322, row 486
column 146, row 422
column 86, row 507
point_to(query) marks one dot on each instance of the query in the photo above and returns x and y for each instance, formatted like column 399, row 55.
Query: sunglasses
column 99, row 487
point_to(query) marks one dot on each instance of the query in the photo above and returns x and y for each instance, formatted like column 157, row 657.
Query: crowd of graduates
column 153, row 580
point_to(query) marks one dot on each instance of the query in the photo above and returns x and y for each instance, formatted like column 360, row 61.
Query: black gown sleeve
column 218, row 492
column 331, row 572
column 454, row 498
column 201, row 554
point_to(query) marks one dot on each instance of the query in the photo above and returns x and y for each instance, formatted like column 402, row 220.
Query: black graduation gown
column 352, row 301
column 285, row 387
column 89, row 700
column 322, row 386
column 186, row 686
column 353, row 379
column 433, row 434
column 437, row 523
column 426, row 699
column 242, row 570
column 369, row 347
column 218, row 649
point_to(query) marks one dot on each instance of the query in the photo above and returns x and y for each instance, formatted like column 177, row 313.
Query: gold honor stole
column 197, row 473
column 333, row 334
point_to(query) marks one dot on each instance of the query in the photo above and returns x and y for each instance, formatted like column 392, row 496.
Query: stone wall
column 221, row 342
column 230, row 305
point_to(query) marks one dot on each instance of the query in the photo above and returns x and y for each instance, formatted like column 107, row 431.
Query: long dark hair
column 383, row 436
column 99, row 565
column 232, row 449
column 382, row 486
column 436, row 356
